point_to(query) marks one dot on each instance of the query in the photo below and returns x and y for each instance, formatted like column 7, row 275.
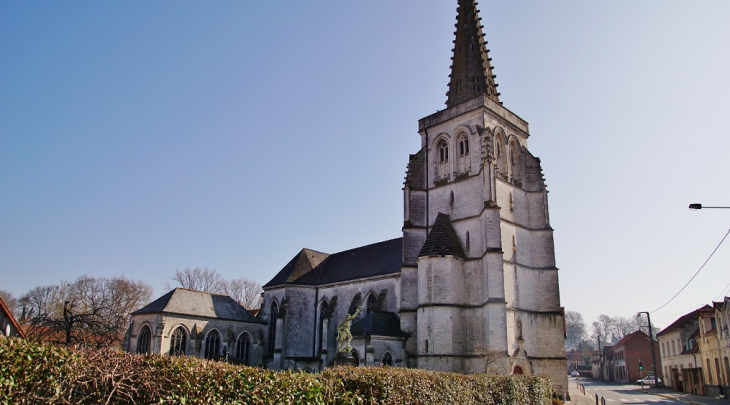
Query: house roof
column 378, row 323
column 9, row 314
column 306, row 268
column 182, row 301
column 631, row 336
column 442, row 240
column 681, row 321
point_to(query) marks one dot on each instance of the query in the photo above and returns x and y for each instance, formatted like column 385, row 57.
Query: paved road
column 616, row 394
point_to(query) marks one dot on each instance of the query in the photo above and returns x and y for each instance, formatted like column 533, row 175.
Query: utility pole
column 600, row 355
column 653, row 356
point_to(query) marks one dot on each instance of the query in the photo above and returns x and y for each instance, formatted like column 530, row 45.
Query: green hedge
column 32, row 373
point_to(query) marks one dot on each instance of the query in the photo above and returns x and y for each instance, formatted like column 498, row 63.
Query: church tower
column 478, row 269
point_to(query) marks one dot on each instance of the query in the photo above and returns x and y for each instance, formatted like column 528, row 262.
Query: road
column 615, row 394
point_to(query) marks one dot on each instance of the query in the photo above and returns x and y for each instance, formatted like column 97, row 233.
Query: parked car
column 648, row 380
column 575, row 374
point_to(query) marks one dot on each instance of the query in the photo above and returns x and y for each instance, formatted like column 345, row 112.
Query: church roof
column 471, row 70
column 378, row 323
column 442, row 240
column 182, row 301
column 367, row 261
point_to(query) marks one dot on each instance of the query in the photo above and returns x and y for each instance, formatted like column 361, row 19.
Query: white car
column 575, row 374
column 648, row 380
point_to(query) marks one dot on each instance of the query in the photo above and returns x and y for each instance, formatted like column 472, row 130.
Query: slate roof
column 378, row 323
column 683, row 320
column 442, row 240
column 367, row 261
column 182, row 301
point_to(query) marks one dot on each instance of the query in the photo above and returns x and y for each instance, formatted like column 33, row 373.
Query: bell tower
column 478, row 257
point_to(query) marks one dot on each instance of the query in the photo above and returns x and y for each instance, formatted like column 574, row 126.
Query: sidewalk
column 579, row 398
column 684, row 398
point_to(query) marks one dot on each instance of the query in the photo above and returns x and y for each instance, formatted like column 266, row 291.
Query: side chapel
column 474, row 269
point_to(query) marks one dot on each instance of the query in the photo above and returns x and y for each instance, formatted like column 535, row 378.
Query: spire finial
column 471, row 70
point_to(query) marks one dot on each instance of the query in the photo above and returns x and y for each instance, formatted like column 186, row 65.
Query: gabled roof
column 378, row 323
column 442, row 240
column 9, row 315
column 682, row 321
column 631, row 336
column 181, row 301
column 373, row 260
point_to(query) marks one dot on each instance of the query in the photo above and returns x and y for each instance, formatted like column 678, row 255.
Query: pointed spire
column 471, row 70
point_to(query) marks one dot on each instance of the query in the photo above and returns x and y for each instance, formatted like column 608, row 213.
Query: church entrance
column 517, row 370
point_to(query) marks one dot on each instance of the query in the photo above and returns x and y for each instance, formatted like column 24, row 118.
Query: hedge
column 33, row 373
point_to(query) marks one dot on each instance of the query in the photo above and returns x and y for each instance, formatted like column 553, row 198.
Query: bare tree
column 489, row 355
column 575, row 329
column 199, row 279
column 246, row 292
column 603, row 328
column 11, row 302
column 625, row 326
column 89, row 310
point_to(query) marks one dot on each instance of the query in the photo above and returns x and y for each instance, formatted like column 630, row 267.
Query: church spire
column 471, row 70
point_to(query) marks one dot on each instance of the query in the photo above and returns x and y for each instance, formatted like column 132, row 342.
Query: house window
column 143, row 341
column 212, row 344
column 177, row 342
column 243, row 348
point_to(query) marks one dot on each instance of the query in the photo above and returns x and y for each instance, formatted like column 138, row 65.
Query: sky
column 138, row 138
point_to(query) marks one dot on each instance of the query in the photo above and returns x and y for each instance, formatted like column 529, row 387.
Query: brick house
column 629, row 352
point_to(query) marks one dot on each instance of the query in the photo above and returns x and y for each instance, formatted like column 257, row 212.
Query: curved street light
column 698, row 206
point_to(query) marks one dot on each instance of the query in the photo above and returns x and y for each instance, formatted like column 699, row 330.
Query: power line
column 698, row 272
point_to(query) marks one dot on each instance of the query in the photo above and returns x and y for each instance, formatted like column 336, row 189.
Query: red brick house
column 631, row 350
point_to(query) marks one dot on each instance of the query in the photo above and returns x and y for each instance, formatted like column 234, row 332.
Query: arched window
column 177, row 342
column 355, row 304
column 387, row 359
column 273, row 314
column 463, row 146
column 212, row 344
column 500, row 149
column 243, row 347
column 144, row 340
column 443, row 150
column 372, row 303
column 514, row 160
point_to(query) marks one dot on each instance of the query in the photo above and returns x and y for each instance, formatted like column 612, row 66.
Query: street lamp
column 698, row 206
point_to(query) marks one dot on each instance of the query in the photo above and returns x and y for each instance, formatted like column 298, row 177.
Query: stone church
column 475, row 267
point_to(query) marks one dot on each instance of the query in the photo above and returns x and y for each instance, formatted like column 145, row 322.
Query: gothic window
column 372, row 303
column 500, row 149
column 243, row 348
column 212, row 344
column 463, row 146
column 355, row 304
column 177, row 342
column 514, row 160
column 144, row 340
column 320, row 326
column 273, row 314
column 443, row 149
column 387, row 359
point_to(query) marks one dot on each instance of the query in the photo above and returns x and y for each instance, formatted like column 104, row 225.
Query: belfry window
column 443, row 149
column 463, row 146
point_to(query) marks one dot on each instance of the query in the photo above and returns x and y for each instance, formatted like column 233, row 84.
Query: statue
column 343, row 333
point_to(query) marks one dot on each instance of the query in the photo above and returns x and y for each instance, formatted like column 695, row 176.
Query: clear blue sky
column 138, row 138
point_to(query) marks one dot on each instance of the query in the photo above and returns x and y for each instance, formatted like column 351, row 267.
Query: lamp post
column 653, row 356
column 698, row 206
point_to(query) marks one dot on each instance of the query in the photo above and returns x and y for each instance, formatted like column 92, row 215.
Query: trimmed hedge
column 32, row 373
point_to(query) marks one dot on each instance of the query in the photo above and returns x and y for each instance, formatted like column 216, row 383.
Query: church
column 474, row 271
column 471, row 286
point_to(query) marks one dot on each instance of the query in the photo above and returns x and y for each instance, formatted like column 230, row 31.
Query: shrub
column 32, row 373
